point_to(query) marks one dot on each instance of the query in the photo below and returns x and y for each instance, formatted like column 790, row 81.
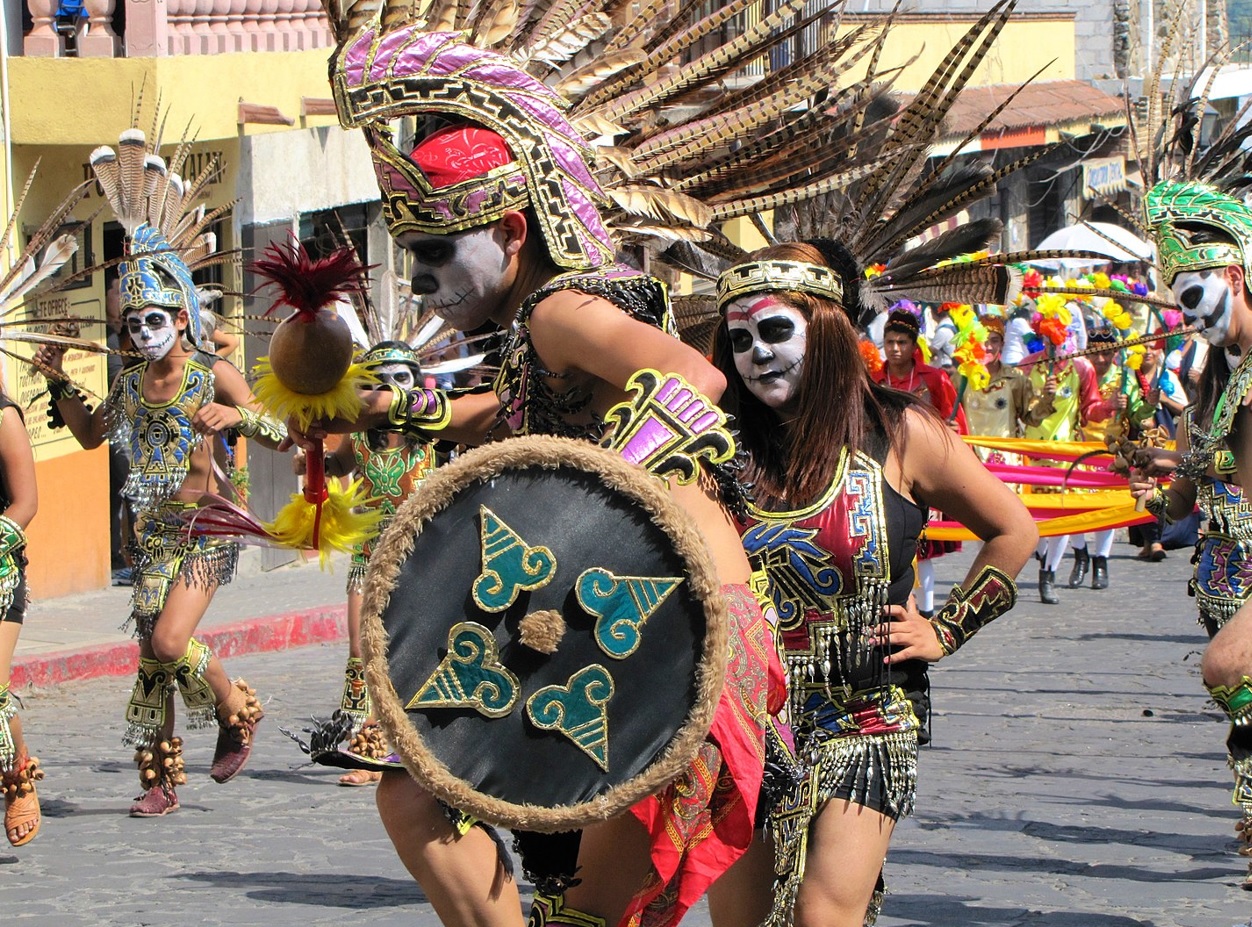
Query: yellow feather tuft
column 341, row 526
column 283, row 403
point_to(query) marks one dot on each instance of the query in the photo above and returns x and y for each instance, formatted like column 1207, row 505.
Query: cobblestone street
column 1077, row 779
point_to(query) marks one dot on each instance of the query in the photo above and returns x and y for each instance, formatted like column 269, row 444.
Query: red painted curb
column 253, row 635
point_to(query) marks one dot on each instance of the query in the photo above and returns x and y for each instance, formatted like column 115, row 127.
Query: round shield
column 545, row 634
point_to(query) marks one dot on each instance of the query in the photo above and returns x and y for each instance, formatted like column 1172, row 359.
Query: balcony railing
column 157, row 28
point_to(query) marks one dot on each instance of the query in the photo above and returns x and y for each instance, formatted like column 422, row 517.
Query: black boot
column 1047, row 588
column 1099, row 572
column 1079, row 572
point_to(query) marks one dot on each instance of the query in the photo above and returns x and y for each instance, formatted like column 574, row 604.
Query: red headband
column 460, row 153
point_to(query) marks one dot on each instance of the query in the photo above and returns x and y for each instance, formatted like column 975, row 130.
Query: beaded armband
column 419, row 409
column 667, row 427
column 1236, row 701
column 1158, row 504
column 992, row 594
column 12, row 537
column 257, row 425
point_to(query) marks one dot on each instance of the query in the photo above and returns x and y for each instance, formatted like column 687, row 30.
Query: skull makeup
column 401, row 376
column 152, row 331
column 1206, row 302
column 768, row 338
column 463, row 277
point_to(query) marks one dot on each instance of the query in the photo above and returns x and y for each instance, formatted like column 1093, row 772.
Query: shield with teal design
column 545, row 634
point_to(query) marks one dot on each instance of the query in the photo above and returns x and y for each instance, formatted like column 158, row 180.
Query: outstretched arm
column 87, row 426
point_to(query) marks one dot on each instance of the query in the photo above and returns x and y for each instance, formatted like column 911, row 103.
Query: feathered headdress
column 877, row 227
column 168, row 235
column 35, row 275
column 614, row 134
column 1197, row 184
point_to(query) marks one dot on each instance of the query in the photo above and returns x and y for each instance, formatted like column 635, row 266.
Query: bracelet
column 62, row 389
column 420, row 409
column 255, row 425
column 12, row 537
column 1158, row 504
column 992, row 593
column 668, row 427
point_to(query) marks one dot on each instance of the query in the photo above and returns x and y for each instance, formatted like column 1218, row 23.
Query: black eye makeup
column 774, row 330
column 151, row 321
column 740, row 340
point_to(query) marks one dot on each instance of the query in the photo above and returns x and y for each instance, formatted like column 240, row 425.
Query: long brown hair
column 838, row 405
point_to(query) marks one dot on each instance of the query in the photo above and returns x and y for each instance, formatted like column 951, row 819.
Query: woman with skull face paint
column 843, row 471
column 170, row 408
column 390, row 466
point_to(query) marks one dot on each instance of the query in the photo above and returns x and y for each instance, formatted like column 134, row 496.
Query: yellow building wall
column 918, row 43
column 92, row 98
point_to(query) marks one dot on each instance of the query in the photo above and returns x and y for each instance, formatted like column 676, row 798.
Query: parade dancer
column 170, row 408
column 1201, row 224
column 390, row 466
column 19, row 771
column 842, row 491
column 1068, row 387
column 505, row 223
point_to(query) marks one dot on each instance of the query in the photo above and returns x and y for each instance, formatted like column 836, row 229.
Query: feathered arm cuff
column 992, row 593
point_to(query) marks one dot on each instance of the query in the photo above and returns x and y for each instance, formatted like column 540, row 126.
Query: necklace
column 908, row 387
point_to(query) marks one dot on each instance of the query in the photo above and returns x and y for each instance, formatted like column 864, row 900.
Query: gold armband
column 256, row 425
column 419, row 410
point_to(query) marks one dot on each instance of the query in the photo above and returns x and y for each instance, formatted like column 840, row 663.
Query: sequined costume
column 528, row 405
column 161, row 442
column 832, row 567
column 388, row 475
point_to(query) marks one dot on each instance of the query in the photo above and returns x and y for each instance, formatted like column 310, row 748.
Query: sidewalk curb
column 252, row 635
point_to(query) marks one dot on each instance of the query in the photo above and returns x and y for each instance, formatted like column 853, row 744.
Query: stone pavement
column 82, row 636
column 1077, row 779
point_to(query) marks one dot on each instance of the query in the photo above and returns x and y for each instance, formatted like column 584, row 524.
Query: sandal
column 21, row 803
column 359, row 777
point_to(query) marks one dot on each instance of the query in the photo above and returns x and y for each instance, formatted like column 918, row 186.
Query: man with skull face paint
column 497, row 207
column 169, row 409
column 843, row 472
column 390, row 466
column 1204, row 242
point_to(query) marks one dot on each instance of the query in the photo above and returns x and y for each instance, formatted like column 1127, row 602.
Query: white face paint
column 768, row 338
column 463, row 277
column 398, row 375
column 1206, row 302
column 152, row 331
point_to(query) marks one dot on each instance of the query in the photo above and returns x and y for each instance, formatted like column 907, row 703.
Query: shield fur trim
column 394, row 548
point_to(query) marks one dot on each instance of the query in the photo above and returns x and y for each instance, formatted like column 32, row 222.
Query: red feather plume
column 305, row 284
